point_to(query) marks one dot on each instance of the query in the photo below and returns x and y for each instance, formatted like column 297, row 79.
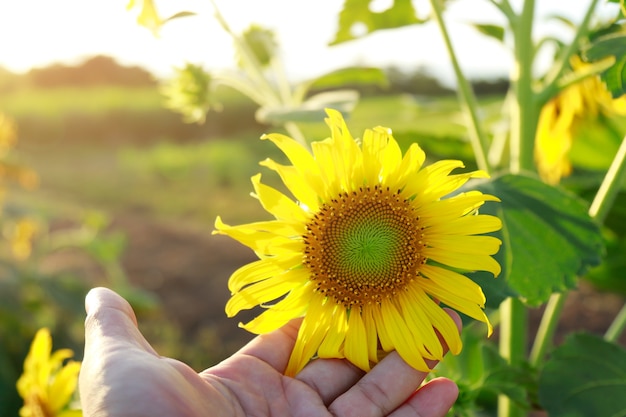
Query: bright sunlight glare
column 36, row 33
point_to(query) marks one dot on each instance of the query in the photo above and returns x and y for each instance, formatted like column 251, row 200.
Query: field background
column 135, row 192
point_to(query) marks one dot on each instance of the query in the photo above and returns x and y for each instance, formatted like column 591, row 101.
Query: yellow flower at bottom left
column 47, row 385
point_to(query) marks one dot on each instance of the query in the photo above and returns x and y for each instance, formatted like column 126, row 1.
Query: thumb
column 111, row 324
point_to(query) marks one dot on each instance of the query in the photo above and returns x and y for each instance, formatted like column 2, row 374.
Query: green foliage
column 548, row 239
column 611, row 45
column 482, row 374
column 190, row 92
column 586, row 376
column 494, row 31
column 357, row 19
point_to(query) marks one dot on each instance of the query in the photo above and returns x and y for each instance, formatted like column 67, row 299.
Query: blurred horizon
column 49, row 33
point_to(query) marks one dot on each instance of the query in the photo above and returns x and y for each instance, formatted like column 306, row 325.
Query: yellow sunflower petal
column 64, row 385
column 356, row 341
column 468, row 262
column 442, row 211
column 444, row 325
column 294, row 305
column 397, row 330
column 312, row 332
column 276, row 203
column 296, row 153
column 264, row 238
column 456, row 291
column 391, row 159
column 412, row 162
column 333, row 344
column 265, row 291
column 370, row 333
column 345, row 153
column 374, row 143
column 413, row 310
column 468, row 225
column 479, row 245
column 426, row 180
column 260, row 270
column 296, row 184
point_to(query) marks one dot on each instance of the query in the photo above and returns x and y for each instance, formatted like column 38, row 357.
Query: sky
column 36, row 33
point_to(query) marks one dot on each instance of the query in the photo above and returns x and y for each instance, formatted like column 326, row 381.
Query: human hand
column 122, row 375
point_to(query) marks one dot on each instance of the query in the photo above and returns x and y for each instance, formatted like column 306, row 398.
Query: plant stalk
column 525, row 110
column 467, row 99
column 617, row 326
column 547, row 327
column 513, row 325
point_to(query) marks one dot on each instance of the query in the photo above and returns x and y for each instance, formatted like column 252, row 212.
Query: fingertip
column 101, row 298
column 435, row 398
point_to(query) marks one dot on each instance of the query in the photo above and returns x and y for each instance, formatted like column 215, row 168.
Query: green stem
column 616, row 328
column 547, row 326
column 467, row 98
column 525, row 111
column 506, row 9
column 610, row 187
column 524, row 117
column 513, row 325
column 252, row 65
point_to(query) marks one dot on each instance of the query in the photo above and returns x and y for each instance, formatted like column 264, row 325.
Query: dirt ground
column 188, row 269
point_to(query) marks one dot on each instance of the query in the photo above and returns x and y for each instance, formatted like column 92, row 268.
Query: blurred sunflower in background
column 47, row 386
column 559, row 118
column 371, row 246
column 17, row 232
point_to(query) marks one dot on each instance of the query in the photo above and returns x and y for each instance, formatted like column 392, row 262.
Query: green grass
column 56, row 102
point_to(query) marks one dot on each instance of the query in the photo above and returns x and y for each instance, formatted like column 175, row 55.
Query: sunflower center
column 364, row 246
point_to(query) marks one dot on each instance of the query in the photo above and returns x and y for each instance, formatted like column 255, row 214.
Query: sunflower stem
column 610, row 187
column 467, row 99
column 514, row 322
column 617, row 326
column 547, row 327
column 525, row 108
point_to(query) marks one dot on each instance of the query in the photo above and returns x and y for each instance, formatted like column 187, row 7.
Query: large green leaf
column 357, row 18
column 614, row 45
column 586, row 376
column 548, row 239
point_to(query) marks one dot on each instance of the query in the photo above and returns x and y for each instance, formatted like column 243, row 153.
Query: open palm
column 122, row 375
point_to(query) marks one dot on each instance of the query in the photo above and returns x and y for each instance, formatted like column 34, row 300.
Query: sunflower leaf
column 548, row 239
column 357, row 19
column 586, row 376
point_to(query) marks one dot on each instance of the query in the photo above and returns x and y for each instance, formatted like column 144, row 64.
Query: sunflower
column 371, row 246
column 47, row 385
column 560, row 116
